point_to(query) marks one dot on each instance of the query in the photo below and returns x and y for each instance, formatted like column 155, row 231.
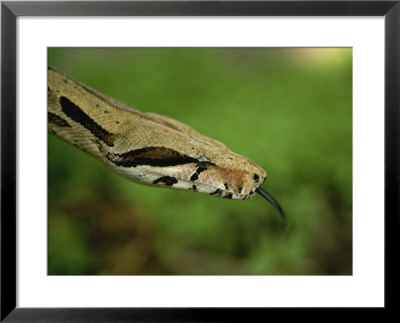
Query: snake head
column 221, row 174
column 181, row 158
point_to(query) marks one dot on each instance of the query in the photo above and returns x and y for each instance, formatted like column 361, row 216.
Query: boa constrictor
column 146, row 147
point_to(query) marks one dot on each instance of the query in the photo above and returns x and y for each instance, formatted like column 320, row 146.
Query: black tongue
column 270, row 199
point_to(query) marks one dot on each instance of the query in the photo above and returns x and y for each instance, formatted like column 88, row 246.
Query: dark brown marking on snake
column 226, row 185
column 240, row 190
column 167, row 180
column 200, row 168
column 53, row 118
column 217, row 192
column 229, row 196
column 256, row 177
column 152, row 156
column 194, row 176
column 75, row 113
column 194, row 188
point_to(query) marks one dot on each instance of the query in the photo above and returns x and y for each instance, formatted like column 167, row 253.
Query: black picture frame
column 11, row 10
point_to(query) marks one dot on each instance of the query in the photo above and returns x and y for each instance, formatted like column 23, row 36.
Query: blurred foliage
column 288, row 110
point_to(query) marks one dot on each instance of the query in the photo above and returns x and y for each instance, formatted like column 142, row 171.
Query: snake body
column 146, row 147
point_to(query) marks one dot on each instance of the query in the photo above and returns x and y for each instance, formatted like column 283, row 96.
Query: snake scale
column 146, row 147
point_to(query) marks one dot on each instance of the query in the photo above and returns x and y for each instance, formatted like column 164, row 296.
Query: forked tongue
column 277, row 206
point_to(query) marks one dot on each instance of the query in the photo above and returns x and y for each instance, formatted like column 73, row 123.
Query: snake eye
column 204, row 159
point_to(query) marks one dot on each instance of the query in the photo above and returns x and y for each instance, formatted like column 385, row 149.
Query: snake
column 148, row 148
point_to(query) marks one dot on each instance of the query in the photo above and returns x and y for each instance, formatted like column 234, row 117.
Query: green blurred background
column 288, row 110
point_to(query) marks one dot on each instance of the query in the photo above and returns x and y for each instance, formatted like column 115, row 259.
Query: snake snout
column 239, row 184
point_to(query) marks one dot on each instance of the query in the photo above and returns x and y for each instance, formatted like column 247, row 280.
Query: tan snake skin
column 145, row 147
